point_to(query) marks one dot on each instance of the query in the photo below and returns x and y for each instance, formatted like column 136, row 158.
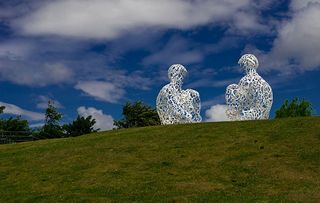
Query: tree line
column 135, row 114
column 52, row 127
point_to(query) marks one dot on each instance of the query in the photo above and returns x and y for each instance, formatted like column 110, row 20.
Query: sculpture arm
column 195, row 105
column 233, row 101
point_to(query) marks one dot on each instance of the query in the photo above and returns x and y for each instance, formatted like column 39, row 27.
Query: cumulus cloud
column 103, row 121
column 216, row 113
column 48, row 62
column 27, row 62
column 32, row 75
column 215, row 100
column 110, row 19
column 124, row 79
column 298, row 4
column 15, row 110
column 15, row 49
column 104, row 91
column 60, row 61
column 297, row 42
column 37, row 62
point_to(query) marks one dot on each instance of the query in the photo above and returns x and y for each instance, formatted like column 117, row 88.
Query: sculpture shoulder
column 232, row 86
column 166, row 91
column 259, row 81
column 166, row 88
column 193, row 92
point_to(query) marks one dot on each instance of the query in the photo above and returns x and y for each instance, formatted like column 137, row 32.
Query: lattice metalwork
column 175, row 105
column 252, row 98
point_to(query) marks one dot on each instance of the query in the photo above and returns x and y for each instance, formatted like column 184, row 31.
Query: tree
column 137, row 114
column 80, row 126
column 14, row 124
column 294, row 109
column 2, row 109
column 52, row 128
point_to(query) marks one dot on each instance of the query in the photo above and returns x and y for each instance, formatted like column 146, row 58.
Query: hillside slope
column 251, row 161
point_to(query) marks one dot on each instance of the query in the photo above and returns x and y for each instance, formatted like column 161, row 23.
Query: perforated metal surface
column 252, row 98
column 175, row 105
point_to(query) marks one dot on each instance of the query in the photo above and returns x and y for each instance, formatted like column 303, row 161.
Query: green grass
column 252, row 161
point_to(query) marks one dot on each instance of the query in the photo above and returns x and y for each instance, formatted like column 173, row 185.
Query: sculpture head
column 249, row 62
column 176, row 73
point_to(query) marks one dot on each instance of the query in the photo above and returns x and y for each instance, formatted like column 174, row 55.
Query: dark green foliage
column 294, row 109
column 52, row 128
column 137, row 114
column 52, row 115
column 14, row 129
column 80, row 126
column 14, row 124
column 1, row 109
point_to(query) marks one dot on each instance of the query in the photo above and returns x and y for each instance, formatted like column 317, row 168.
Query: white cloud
column 122, row 78
column 217, row 113
column 215, row 100
column 103, row 121
column 15, row 49
column 59, row 61
column 43, row 102
column 36, row 125
column 15, row 110
column 37, row 62
column 104, row 91
column 110, row 19
column 298, row 41
column 13, row 8
column 245, row 23
column 26, row 71
column 298, row 4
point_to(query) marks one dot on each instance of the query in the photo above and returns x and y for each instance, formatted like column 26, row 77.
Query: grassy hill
column 251, row 161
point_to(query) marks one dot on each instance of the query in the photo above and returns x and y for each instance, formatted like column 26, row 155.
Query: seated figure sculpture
column 174, row 105
column 252, row 98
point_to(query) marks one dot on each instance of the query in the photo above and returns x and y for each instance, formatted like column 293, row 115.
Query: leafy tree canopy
column 137, row 114
column 52, row 128
column 14, row 124
column 294, row 109
column 2, row 109
column 80, row 126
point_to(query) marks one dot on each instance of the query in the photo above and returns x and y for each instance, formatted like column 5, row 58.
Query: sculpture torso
column 178, row 106
column 175, row 105
column 249, row 100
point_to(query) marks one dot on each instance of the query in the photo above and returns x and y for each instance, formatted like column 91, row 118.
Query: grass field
column 251, row 161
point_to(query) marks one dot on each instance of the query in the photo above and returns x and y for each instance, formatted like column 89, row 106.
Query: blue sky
column 90, row 57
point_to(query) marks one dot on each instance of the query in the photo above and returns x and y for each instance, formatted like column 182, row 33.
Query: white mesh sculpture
column 175, row 105
column 252, row 98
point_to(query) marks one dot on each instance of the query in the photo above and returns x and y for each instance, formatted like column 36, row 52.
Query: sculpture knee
column 233, row 94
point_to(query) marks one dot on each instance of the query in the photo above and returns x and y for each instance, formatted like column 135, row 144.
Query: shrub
column 294, row 109
column 137, row 114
